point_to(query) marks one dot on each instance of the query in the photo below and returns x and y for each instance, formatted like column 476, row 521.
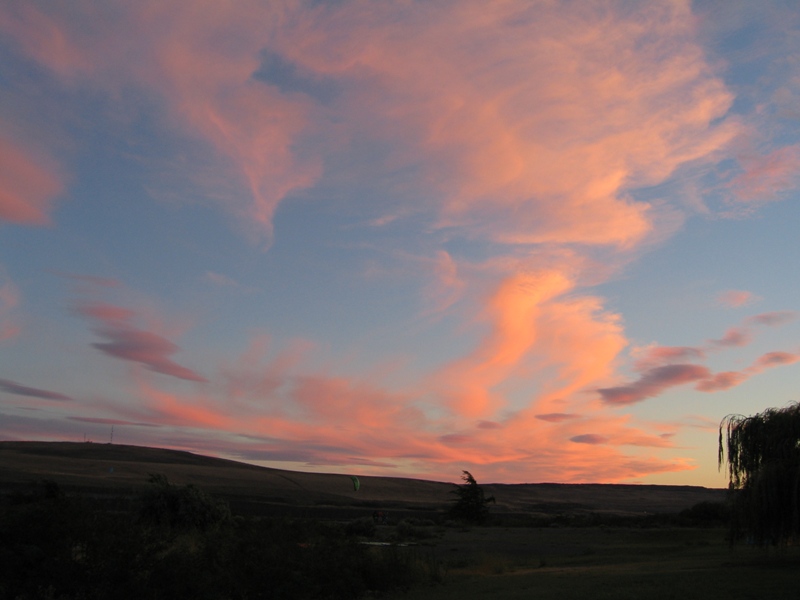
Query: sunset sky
column 539, row 240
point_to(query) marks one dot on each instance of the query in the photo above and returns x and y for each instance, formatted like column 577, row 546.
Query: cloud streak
column 653, row 382
column 12, row 387
column 127, row 342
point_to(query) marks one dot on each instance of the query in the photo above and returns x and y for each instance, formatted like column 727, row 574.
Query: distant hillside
column 112, row 469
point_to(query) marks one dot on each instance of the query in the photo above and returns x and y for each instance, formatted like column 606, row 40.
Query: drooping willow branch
column 762, row 454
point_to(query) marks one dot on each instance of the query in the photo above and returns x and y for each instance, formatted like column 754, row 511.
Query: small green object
column 356, row 482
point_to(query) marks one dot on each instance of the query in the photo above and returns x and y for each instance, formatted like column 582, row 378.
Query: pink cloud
column 734, row 337
column 208, row 89
column 320, row 420
column 766, row 177
column 721, row 381
column 643, row 102
column 775, row 359
column 729, row 379
column 506, row 172
column 28, row 185
column 9, row 300
column 127, row 342
column 736, row 298
column 104, row 312
column 653, row 382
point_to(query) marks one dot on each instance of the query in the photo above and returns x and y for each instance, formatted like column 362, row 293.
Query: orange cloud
column 513, row 311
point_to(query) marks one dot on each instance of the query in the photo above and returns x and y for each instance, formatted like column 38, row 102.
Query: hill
column 112, row 469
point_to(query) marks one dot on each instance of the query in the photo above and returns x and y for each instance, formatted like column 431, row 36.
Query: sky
column 539, row 240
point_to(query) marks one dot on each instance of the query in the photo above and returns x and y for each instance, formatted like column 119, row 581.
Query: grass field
column 612, row 563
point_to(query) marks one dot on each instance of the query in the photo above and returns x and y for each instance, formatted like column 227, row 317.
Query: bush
column 181, row 508
column 365, row 527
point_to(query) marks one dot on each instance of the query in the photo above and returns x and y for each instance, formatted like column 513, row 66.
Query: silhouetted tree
column 762, row 453
column 471, row 504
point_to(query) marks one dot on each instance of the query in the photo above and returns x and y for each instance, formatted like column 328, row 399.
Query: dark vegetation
column 110, row 533
column 178, row 542
column 762, row 454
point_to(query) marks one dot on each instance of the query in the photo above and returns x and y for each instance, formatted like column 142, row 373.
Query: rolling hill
column 113, row 470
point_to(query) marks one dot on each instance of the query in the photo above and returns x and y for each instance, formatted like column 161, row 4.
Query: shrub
column 181, row 508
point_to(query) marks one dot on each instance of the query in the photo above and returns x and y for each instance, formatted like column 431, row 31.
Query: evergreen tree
column 471, row 504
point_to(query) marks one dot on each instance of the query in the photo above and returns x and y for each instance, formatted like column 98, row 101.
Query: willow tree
column 762, row 454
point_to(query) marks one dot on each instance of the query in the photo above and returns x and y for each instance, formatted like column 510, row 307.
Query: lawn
column 613, row 563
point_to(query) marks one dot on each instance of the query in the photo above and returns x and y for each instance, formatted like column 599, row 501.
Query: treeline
column 178, row 542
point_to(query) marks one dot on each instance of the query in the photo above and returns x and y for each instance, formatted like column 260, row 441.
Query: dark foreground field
column 306, row 535
column 614, row 563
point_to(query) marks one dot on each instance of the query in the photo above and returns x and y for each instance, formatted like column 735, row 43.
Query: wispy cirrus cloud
column 623, row 97
column 28, row 185
column 458, row 113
